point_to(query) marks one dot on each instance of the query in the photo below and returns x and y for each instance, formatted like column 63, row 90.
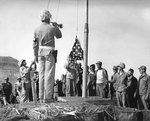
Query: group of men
column 46, row 57
column 131, row 92
column 123, row 86
column 128, row 91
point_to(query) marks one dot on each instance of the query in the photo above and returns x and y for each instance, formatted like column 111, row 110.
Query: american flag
column 77, row 52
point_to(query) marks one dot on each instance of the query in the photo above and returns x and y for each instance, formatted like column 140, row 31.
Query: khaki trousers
column 142, row 103
column 46, row 76
column 122, row 100
column 70, row 87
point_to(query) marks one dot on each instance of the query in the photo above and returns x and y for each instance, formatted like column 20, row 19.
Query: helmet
column 122, row 65
column 142, row 68
column 45, row 15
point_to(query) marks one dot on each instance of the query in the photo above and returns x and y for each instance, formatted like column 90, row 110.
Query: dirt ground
column 75, row 109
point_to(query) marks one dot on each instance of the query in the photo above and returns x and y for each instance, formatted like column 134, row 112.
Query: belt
column 47, row 47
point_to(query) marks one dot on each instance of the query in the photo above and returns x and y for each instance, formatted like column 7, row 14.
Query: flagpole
column 86, row 32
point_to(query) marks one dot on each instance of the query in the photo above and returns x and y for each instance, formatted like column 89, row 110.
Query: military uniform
column 70, row 81
column 120, row 84
column 7, row 88
column 44, row 46
column 2, row 95
column 144, row 90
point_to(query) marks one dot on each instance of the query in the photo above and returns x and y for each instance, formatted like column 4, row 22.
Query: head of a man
column 6, row 79
column 35, row 74
column 142, row 69
column 115, row 69
column 22, row 63
column 130, row 72
column 19, row 79
column 99, row 64
column 33, row 67
column 121, row 66
column 45, row 16
column 92, row 67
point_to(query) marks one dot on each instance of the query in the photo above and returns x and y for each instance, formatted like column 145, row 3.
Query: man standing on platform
column 132, row 89
column 101, row 81
column 111, row 86
column 7, row 88
column 91, row 84
column 120, row 79
column 45, row 54
column 144, row 89
column 70, row 80
column 80, row 79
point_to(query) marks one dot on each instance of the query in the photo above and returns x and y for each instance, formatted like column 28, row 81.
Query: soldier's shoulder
column 148, row 76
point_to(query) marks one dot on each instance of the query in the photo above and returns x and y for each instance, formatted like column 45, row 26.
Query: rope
column 57, row 10
column 48, row 4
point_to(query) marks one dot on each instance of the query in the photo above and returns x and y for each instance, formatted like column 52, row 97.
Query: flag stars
column 77, row 52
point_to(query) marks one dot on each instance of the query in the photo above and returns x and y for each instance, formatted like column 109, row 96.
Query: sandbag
column 128, row 114
column 95, row 117
column 146, row 115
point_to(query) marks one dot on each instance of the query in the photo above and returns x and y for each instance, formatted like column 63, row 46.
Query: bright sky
column 118, row 30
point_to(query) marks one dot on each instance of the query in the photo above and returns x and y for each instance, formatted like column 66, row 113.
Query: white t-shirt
column 100, row 77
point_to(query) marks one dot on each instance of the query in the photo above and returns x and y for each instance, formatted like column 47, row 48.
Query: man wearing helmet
column 44, row 48
column 120, row 84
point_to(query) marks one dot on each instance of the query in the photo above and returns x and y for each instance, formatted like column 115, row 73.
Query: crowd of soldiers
column 123, row 86
column 21, row 91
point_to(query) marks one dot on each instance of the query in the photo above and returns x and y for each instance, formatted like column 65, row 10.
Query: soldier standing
column 143, row 89
column 120, row 85
column 45, row 55
column 111, row 88
column 91, row 85
column 70, row 80
column 7, row 87
column 101, row 81
column 2, row 96
column 132, row 89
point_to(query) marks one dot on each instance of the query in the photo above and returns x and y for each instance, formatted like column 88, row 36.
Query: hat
column 92, row 65
column 114, row 67
column 99, row 62
column 20, row 62
column 6, row 78
column 45, row 15
column 142, row 68
column 19, row 77
column 122, row 65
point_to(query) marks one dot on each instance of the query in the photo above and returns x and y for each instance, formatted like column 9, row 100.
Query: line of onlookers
column 123, row 86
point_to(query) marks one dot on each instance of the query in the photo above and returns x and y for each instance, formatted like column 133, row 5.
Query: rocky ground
column 73, row 109
column 76, row 109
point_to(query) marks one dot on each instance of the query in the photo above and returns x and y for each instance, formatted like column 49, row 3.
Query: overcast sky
column 118, row 30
